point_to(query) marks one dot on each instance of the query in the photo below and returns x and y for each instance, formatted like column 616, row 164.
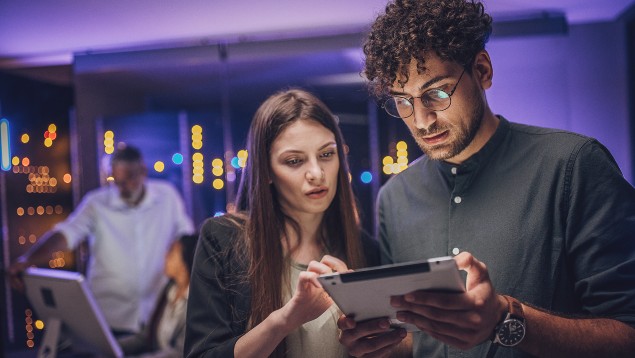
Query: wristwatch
column 511, row 330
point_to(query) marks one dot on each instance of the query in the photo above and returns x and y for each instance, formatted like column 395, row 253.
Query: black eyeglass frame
column 410, row 99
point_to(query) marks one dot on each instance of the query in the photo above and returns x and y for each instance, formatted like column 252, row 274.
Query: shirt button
column 457, row 199
column 455, row 251
column 453, row 170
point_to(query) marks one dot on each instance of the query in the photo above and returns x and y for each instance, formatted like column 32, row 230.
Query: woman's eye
column 293, row 162
column 328, row 154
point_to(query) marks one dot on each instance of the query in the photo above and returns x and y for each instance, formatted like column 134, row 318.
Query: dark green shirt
column 548, row 212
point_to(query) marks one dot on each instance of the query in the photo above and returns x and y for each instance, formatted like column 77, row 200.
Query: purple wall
column 577, row 82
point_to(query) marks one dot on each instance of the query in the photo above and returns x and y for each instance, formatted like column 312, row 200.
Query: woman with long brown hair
column 254, row 289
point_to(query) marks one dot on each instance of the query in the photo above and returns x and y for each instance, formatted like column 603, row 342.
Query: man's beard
column 463, row 136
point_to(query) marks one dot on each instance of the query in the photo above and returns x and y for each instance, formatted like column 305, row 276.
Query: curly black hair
column 456, row 30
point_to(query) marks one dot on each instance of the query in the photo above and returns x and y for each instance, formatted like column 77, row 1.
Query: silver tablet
column 365, row 293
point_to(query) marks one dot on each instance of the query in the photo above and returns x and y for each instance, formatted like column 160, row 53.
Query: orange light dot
column 26, row 161
column 30, row 210
column 52, row 136
column 30, row 343
column 20, row 211
column 67, row 178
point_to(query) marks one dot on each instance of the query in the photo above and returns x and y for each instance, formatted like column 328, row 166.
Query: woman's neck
column 307, row 246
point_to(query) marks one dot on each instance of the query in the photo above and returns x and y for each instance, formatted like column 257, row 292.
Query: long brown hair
column 265, row 226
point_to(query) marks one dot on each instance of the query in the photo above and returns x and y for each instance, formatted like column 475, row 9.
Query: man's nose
column 422, row 116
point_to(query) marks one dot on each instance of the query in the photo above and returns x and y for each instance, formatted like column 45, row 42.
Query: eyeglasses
column 435, row 99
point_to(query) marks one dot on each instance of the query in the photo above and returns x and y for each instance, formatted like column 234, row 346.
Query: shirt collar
column 484, row 154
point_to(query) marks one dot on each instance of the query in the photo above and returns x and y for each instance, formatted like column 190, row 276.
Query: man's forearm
column 40, row 253
column 549, row 335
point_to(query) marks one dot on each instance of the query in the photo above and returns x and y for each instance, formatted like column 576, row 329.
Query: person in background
column 129, row 227
column 164, row 335
column 548, row 211
column 254, row 289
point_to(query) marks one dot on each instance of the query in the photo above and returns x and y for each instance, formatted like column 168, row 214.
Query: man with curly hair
column 547, row 210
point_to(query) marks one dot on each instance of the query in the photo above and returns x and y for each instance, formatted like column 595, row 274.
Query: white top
column 127, row 247
column 172, row 320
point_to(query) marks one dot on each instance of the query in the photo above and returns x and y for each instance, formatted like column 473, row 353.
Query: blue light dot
column 366, row 177
column 235, row 163
column 219, row 213
column 177, row 158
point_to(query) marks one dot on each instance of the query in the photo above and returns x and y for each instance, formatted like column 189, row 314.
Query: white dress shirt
column 127, row 247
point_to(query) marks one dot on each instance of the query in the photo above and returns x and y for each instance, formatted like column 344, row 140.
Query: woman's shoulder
column 371, row 249
column 223, row 230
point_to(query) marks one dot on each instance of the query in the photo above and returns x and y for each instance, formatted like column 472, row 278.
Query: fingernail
column 384, row 324
column 409, row 297
column 401, row 316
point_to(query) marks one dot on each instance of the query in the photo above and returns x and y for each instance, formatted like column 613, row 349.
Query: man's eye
column 435, row 95
column 402, row 102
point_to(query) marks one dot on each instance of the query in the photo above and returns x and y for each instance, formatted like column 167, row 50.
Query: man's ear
column 483, row 69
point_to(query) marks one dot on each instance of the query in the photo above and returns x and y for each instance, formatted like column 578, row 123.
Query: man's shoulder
column 537, row 133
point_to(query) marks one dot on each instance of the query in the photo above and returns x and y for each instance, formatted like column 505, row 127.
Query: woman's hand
column 310, row 300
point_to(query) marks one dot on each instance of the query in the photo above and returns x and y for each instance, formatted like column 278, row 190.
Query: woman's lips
column 317, row 194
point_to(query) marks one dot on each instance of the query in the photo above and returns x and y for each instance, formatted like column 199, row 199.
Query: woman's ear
column 483, row 69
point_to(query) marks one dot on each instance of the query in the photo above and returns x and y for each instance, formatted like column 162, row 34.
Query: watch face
column 511, row 332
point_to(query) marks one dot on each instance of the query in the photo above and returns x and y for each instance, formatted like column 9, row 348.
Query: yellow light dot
column 402, row 160
column 159, row 166
column 48, row 142
column 110, row 179
column 67, row 178
column 39, row 324
column 387, row 160
column 109, row 134
column 218, row 184
column 403, row 166
column 25, row 138
column 15, row 161
column 217, row 171
column 197, row 156
column 395, row 168
column 387, row 169
column 402, row 153
column 198, row 171
column 109, row 142
column 109, row 150
column 197, row 129
column 241, row 163
column 217, row 163
column 242, row 154
column 197, row 137
column 198, row 179
column 197, row 145
column 401, row 145
column 52, row 128
column 26, row 161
